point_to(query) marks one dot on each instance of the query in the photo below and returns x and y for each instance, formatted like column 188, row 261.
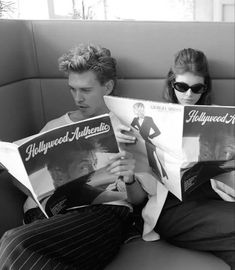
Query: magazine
column 68, row 162
column 182, row 146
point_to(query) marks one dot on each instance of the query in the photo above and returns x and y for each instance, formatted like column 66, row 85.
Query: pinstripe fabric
column 87, row 238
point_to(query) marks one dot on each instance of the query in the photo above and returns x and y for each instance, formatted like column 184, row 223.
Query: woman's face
column 188, row 97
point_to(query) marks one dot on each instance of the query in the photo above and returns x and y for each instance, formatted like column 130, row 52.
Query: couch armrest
column 11, row 203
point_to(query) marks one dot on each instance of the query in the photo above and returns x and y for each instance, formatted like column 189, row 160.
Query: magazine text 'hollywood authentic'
column 195, row 116
column 42, row 147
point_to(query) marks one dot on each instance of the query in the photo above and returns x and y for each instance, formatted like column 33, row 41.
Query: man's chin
column 85, row 113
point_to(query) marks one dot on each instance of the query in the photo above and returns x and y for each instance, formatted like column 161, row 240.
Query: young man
column 89, row 237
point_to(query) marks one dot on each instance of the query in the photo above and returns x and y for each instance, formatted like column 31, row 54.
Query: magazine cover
column 208, row 144
column 181, row 146
column 68, row 162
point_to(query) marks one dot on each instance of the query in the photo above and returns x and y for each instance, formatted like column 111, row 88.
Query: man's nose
column 79, row 96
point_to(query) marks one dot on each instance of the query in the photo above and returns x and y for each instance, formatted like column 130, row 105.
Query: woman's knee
column 222, row 218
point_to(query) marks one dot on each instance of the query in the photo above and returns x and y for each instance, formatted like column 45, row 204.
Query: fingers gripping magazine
column 182, row 146
column 68, row 162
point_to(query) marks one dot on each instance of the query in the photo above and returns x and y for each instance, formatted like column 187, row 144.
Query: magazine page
column 208, row 145
column 158, row 128
column 79, row 151
column 23, row 140
column 11, row 161
column 224, row 185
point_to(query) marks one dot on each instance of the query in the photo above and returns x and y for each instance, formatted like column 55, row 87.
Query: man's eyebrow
column 86, row 87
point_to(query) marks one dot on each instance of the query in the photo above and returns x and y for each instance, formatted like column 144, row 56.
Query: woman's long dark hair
column 188, row 60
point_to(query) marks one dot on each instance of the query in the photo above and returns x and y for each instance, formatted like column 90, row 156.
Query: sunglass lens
column 198, row 88
column 181, row 87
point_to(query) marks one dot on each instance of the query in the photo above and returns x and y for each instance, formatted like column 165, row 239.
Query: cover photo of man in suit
column 148, row 130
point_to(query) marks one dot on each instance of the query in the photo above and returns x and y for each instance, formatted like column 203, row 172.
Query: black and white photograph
column 117, row 134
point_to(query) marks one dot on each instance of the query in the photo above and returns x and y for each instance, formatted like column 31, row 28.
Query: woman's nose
column 189, row 92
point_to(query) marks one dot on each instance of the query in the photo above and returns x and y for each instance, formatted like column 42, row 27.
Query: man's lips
column 82, row 107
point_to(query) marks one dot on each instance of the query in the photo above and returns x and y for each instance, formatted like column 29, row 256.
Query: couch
column 30, row 81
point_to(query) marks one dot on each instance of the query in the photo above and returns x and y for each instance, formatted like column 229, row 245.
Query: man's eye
column 86, row 89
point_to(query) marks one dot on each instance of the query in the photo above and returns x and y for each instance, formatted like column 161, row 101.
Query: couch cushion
column 11, row 202
column 21, row 113
column 18, row 59
column 159, row 255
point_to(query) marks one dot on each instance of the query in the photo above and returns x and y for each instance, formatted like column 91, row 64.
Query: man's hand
column 124, row 135
column 122, row 164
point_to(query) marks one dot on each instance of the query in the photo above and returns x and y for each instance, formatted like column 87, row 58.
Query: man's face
column 88, row 93
column 225, row 149
column 83, row 162
column 59, row 176
column 140, row 112
column 75, row 165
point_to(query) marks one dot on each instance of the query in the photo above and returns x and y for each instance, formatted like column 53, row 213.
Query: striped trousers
column 86, row 238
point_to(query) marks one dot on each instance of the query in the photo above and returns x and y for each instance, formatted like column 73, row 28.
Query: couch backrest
column 29, row 77
column 33, row 91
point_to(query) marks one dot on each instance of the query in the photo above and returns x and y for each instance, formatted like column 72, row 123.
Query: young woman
column 190, row 68
column 205, row 221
